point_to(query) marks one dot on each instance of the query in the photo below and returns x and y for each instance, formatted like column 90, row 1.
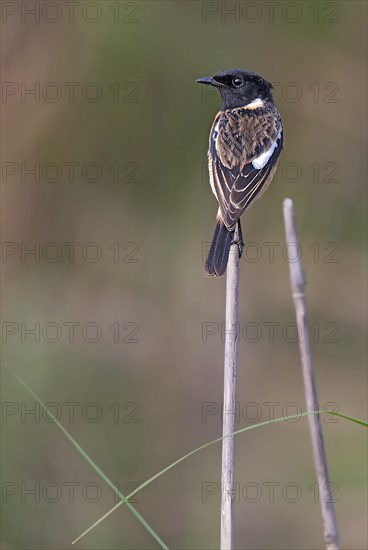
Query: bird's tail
column 219, row 252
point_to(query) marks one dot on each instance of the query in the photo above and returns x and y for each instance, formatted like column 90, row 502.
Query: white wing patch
column 215, row 130
column 215, row 133
column 262, row 160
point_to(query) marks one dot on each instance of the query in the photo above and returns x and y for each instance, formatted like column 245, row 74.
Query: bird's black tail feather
column 219, row 252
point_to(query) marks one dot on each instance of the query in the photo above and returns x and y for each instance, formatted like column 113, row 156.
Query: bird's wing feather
column 243, row 155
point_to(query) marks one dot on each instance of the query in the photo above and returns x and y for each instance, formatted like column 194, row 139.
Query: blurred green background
column 144, row 363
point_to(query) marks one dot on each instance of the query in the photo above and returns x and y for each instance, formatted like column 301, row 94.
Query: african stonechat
column 245, row 143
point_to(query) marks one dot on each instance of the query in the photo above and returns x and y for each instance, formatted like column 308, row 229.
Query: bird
column 245, row 143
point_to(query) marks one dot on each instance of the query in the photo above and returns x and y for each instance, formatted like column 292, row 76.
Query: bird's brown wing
column 238, row 140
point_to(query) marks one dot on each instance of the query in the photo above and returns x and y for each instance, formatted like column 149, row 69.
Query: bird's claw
column 239, row 241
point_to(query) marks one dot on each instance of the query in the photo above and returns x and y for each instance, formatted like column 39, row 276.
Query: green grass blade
column 361, row 422
column 90, row 461
column 148, row 481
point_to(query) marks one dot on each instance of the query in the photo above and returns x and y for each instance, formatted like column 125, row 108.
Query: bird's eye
column 237, row 81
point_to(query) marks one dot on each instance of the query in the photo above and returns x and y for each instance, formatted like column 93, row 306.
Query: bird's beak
column 210, row 81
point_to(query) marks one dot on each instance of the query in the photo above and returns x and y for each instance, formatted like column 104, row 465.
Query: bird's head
column 239, row 88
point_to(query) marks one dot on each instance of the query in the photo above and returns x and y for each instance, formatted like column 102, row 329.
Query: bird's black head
column 239, row 87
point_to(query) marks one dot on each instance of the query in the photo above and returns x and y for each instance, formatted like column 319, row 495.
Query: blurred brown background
column 129, row 328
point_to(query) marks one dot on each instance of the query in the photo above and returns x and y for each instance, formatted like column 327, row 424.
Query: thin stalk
column 319, row 454
column 229, row 403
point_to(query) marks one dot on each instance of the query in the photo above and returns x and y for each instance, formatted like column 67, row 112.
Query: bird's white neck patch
column 255, row 104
